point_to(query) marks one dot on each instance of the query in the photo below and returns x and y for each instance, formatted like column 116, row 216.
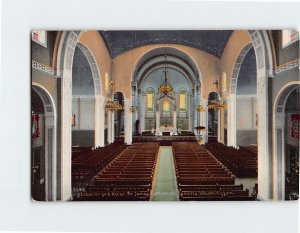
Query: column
column 112, row 126
column 279, row 157
column 66, row 136
column 128, row 122
column 219, row 125
column 50, row 157
column 264, row 159
column 175, row 121
column 142, row 112
column 99, row 121
column 203, row 121
column 196, row 121
column 157, row 121
column 190, row 114
column 231, row 121
column 109, row 127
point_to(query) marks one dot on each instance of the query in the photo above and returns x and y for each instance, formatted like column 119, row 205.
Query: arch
column 213, row 96
column 86, row 94
column 162, row 66
column 243, row 90
column 94, row 67
column 65, row 56
column 173, row 59
column 279, row 152
column 50, row 131
column 214, row 118
column 119, row 124
column 237, row 66
column 265, row 68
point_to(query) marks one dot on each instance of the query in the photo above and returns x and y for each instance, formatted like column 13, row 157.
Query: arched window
column 182, row 101
column 150, row 96
column 166, row 106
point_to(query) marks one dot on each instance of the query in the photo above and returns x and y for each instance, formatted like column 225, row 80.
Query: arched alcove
column 69, row 41
column 43, row 136
column 119, row 120
column 182, row 74
column 286, row 142
column 213, row 118
column 246, row 89
column 83, row 101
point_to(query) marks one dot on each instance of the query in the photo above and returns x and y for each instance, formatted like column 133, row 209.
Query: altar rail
column 164, row 140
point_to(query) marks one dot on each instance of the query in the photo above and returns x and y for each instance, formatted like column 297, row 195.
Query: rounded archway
column 213, row 118
column 119, row 119
column 43, row 135
column 286, row 142
column 83, row 100
column 68, row 45
column 246, row 92
column 169, row 112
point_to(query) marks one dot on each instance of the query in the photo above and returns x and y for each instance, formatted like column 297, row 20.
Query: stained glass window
column 150, row 101
column 182, row 101
column 166, row 106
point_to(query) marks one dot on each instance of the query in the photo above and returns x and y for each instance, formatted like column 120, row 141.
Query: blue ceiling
column 210, row 41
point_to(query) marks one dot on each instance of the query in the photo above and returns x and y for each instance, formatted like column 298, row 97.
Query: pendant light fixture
column 165, row 88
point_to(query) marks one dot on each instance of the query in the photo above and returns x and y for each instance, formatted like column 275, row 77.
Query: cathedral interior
column 165, row 115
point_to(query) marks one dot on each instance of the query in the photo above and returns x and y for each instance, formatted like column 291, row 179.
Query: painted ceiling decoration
column 210, row 41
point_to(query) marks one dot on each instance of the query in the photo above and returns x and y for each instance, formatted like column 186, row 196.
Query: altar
column 166, row 130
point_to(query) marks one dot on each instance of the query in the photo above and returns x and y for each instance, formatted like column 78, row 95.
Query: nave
column 97, row 96
column 146, row 171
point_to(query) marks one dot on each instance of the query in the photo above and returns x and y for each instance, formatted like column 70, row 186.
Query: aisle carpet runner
column 165, row 181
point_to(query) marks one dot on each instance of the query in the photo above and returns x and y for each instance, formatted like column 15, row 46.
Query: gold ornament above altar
column 113, row 105
column 165, row 89
column 217, row 104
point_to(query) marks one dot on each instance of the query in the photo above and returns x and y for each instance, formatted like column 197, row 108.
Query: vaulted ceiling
column 210, row 41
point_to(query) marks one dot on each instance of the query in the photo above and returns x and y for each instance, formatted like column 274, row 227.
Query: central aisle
column 165, row 188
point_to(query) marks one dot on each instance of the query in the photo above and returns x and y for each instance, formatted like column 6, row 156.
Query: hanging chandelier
column 217, row 104
column 200, row 108
column 113, row 105
column 165, row 88
column 133, row 108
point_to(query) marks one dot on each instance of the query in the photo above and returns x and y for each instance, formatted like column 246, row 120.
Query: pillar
column 204, row 121
column 264, row 159
column 109, row 126
column 113, row 126
column 279, row 157
column 66, row 136
column 157, row 121
column 219, row 125
column 128, row 122
column 50, row 157
column 99, row 121
column 231, row 121
column 142, row 112
column 196, row 121
column 175, row 121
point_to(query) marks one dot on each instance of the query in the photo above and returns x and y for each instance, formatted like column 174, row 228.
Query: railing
column 163, row 138
column 287, row 66
column 39, row 66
